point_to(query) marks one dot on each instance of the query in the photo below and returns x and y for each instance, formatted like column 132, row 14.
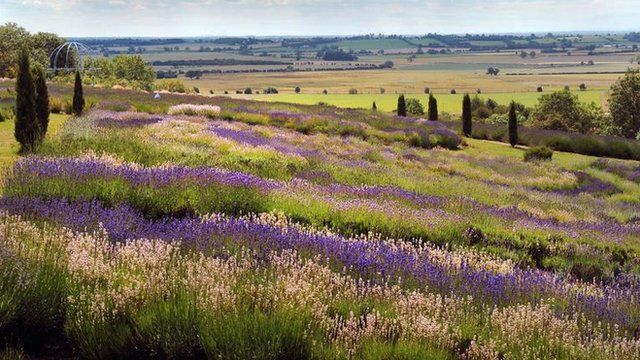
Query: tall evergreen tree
column 374, row 107
column 513, row 125
column 26, row 126
column 78, row 97
column 42, row 102
column 466, row 115
column 433, row 108
column 402, row 106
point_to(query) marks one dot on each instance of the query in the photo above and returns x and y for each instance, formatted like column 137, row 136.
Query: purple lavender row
column 617, row 303
column 249, row 137
column 89, row 167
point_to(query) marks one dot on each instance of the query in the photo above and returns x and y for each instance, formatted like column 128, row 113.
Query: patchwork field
column 396, row 81
column 195, row 226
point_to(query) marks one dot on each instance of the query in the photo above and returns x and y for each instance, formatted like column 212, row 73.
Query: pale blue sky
column 316, row 17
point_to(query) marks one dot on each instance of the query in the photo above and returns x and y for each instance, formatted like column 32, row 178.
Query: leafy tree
column 583, row 87
column 466, row 115
column 42, row 103
column 513, row 125
column 191, row 74
column 624, row 105
column 433, row 108
column 42, row 45
column 562, row 110
column 26, row 127
column 248, row 91
column 128, row 70
column 78, row 96
column 325, row 92
column 493, row 71
column 414, row 107
column 12, row 39
column 402, row 106
column 297, row 90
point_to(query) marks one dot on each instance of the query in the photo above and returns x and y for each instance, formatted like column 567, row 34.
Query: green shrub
column 538, row 153
column 171, row 85
column 414, row 107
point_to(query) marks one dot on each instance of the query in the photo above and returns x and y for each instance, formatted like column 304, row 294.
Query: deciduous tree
column 624, row 105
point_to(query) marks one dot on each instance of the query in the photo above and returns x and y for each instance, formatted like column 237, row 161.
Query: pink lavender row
column 375, row 260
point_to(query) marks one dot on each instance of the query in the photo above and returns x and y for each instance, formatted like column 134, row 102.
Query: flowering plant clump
column 210, row 111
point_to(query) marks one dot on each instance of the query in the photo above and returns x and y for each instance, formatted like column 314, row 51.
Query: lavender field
column 233, row 229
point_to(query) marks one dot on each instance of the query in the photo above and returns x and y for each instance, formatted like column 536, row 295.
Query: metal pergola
column 66, row 49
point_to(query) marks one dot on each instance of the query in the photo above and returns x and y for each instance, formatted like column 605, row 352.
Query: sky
column 164, row 18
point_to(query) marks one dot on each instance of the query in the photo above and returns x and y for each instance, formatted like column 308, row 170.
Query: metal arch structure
column 63, row 51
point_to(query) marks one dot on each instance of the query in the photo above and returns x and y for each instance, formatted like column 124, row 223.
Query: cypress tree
column 402, row 106
column 433, row 108
column 42, row 102
column 513, row 125
column 466, row 115
column 26, row 126
column 78, row 97
column 374, row 107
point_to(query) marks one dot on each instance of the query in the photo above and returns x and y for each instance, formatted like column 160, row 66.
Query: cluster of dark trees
column 336, row 54
column 414, row 107
column 128, row 42
column 32, row 103
column 467, row 120
column 632, row 36
column 166, row 74
column 237, row 41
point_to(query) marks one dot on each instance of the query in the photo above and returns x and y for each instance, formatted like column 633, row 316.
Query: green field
column 373, row 44
column 446, row 102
